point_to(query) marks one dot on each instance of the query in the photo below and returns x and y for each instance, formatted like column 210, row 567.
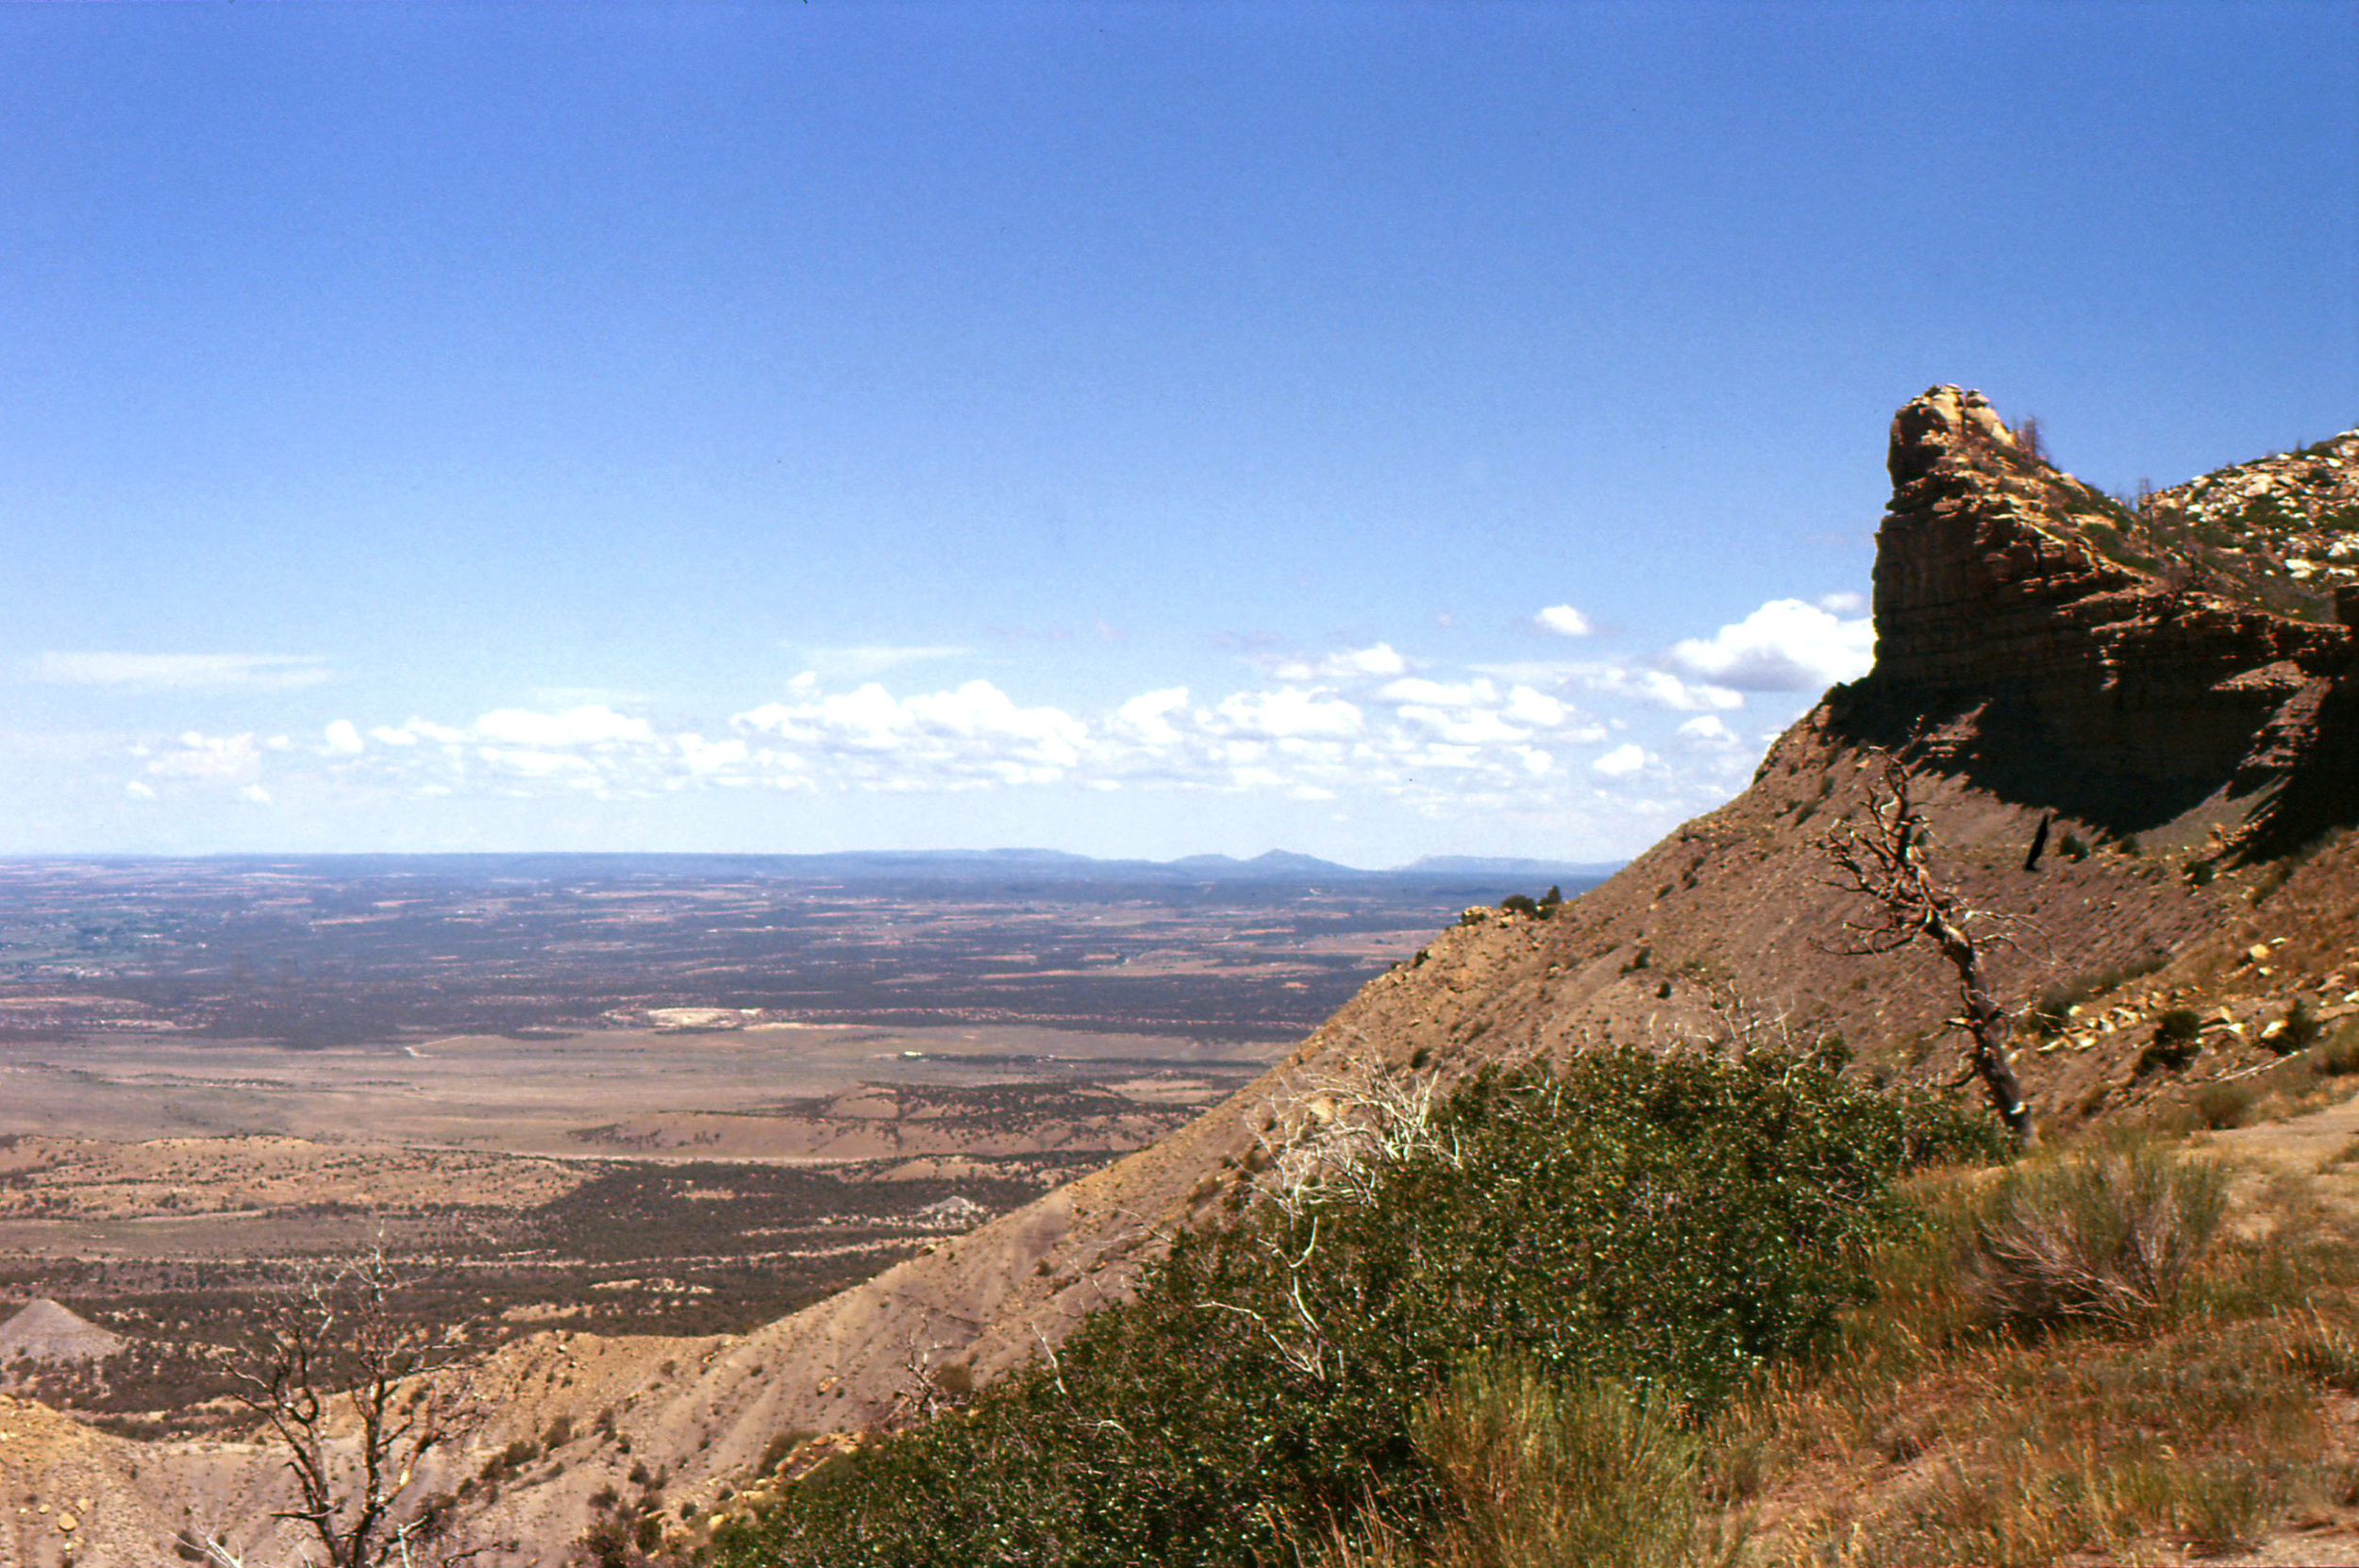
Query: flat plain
column 635, row 1093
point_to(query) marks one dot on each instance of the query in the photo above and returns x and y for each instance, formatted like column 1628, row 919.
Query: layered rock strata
column 2028, row 629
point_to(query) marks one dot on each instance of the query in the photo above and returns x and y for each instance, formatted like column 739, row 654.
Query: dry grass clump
column 1596, row 1474
column 2074, row 1360
column 2106, row 1237
column 1537, row 1472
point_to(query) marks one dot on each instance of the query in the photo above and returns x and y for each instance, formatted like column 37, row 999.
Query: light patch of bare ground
column 94, row 1180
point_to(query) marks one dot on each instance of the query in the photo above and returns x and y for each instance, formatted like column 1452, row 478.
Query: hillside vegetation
column 1650, row 1232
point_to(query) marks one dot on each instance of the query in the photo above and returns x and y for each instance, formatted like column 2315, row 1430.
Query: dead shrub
column 2106, row 1237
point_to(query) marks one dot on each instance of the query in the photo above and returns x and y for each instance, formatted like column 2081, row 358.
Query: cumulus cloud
column 1537, row 708
column 537, row 765
column 976, row 733
column 176, row 672
column 1842, row 604
column 1370, row 663
column 1359, row 726
column 1785, row 646
column 1563, row 620
column 1436, row 693
column 1149, row 715
column 1289, row 711
column 198, row 758
column 1622, row 760
column 1708, row 727
column 705, row 759
column 592, row 724
column 1658, row 689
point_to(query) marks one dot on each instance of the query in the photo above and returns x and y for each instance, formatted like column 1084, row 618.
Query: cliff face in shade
column 2070, row 650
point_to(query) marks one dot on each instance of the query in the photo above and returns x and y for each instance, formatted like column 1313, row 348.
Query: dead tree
column 356, row 1398
column 1884, row 858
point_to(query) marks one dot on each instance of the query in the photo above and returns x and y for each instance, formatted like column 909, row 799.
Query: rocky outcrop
column 2039, row 633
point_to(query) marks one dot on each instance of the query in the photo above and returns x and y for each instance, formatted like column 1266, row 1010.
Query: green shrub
column 1671, row 1224
column 2301, row 1032
column 2107, row 1237
column 2178, row 1041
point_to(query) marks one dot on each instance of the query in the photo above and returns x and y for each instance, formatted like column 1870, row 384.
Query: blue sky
column 1372, row 430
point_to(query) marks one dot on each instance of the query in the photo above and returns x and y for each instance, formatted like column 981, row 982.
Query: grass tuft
column 2106, row 1237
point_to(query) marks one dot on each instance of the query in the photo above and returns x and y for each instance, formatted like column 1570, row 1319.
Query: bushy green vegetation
column 1610, row 1247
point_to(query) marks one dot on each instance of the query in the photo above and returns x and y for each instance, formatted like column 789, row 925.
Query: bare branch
column 356, row 1398
column 1886, row 861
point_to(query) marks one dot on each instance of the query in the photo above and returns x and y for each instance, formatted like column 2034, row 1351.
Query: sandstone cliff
column 2061, row 648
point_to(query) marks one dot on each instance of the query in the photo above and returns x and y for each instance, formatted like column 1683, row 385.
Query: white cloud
column 1785, row 646
column 1842, row 604
column 1537, row 708
column 1435, row 693
column 1370, row 663
column 139, row 790
column 1290, row 711
column 975, row 734
column 1707, row 727
column 209, row 759
column 1563, row 620
column 177, row 672
column 1149, row 715
column 536, row 764
column 592, row 724
column 1455, row 744
column 1660, row 688
column 706, row 758
column 256, row 794
column 1472, row 727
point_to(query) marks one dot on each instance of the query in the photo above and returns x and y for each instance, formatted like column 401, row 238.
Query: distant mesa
column 48, row 1334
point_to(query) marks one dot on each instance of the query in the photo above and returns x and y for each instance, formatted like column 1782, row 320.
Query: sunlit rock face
column 2131, row 660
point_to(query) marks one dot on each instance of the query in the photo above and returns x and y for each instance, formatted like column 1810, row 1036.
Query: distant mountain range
column 960, row 865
